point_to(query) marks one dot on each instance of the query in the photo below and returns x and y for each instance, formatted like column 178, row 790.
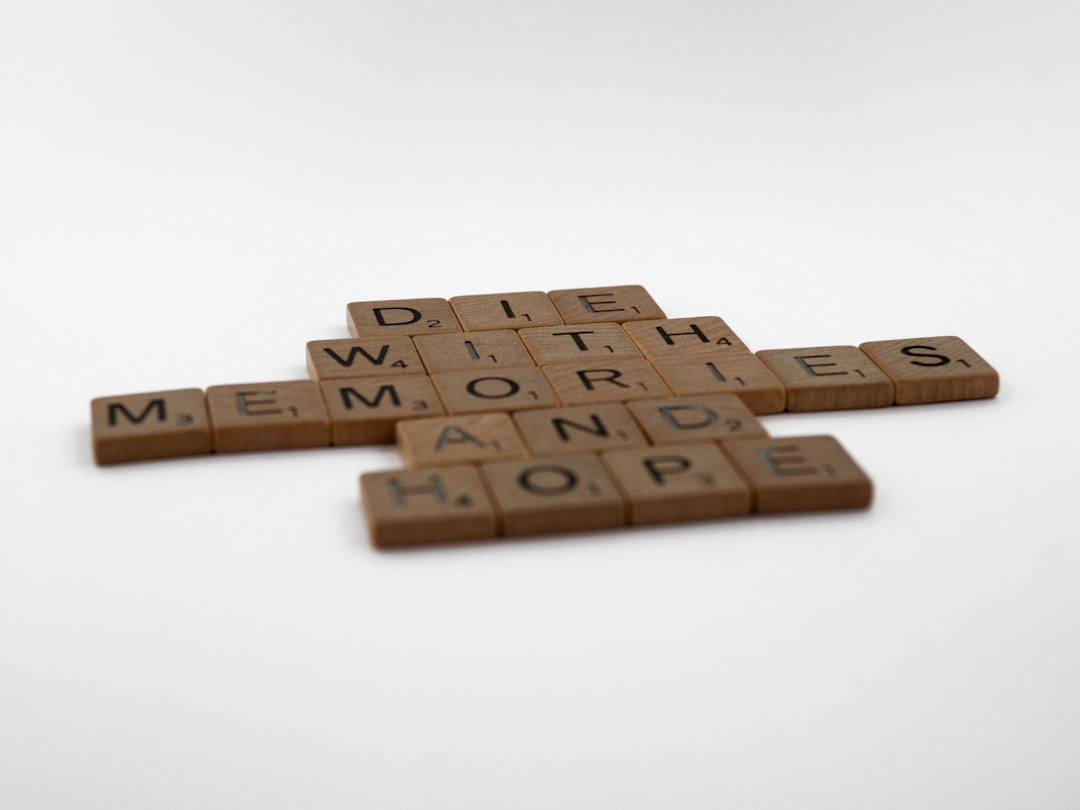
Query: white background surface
column 191, row 191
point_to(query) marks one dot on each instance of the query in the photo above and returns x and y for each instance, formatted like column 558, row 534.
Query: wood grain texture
column 800, row 473
column 357, row 357
column 557, row 494
column 476, row 351
column 739, row 373
column 933, row 369
column 460, row 439
column 403, row 316
column 502, row 389
column 267, row 416
column 618, row 380
column 829, row 378
column 678, row 337
column 515, row 310
column 578, row 343
column 578, row 429
column 617, row 304
column 364, row 410
column 156, row 424
column 426, row 506
column 712, row 417
column 677, row 483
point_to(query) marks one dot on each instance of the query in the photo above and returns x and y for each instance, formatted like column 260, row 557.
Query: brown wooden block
column 933, row 369
column 615, row 381
column 267, row 416
column 627, row 302
column 578, row 429
column 356, row 357
column 423, row 506
column 407, row 316
column 677, row 483
column 800, row 473
column 829, row 378
column 711, row 417
column 740, row 373
column 678, row 337
column 158, row 424
column 557, row 494
column 364, row 410
column 472, row 350
column 502, row 389
column 461, row 439
column 514, row 310
column 575, row 343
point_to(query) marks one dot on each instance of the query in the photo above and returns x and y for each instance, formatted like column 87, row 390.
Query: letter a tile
column 829, row 378
column 409, row 316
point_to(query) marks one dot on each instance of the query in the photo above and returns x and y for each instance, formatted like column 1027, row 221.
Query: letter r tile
column 159, row 424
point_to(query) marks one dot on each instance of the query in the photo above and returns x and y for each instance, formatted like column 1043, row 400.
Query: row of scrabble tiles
column 365, row 408
column 634, row 485
column 474, row 476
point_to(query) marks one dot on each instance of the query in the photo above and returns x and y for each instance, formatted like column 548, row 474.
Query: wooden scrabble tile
column 570, row 344
column 709, row 417
column 678, row 337
column 423, row 506
column 557, row 494
column 357, row 357
column 158, row 424
column 828, row 378
column 740, row 373
column 502, row 389
column 460, row 439
column 615, row 381
column 364, row 410
column 267, row 416
column 505, row 311
column 578, row 429
column 677, row 483
column 800, row 473
column 408, row 316
column 628, row 302
column 472, row 350
column 933, row 369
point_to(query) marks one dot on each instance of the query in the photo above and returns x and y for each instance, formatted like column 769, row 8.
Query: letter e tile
column 267, row 416
column 829, row 378
column 800, row 473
